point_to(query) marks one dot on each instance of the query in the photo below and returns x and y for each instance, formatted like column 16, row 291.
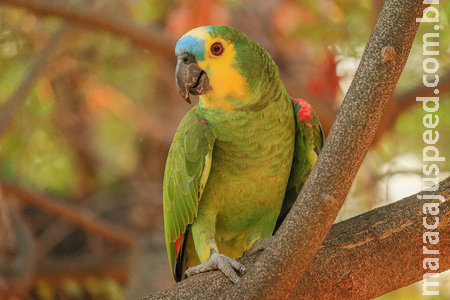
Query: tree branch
column 377, row 252
column 73, row 215
column 361, row 258
column 147, row 37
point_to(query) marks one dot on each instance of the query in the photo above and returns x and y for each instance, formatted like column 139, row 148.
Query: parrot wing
column 187, row 169
column 309, row 141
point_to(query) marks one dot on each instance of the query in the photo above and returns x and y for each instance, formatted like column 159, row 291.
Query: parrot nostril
column 187, row 58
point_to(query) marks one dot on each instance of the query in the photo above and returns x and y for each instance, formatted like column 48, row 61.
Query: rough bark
column 376, row 252
column 362, row 257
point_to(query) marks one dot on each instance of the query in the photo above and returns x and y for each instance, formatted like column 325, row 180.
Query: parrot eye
column 216, row 49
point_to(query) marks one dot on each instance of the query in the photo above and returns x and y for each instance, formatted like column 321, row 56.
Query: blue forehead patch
column 192, row 45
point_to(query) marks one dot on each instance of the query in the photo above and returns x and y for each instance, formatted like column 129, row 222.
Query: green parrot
column 238, row 159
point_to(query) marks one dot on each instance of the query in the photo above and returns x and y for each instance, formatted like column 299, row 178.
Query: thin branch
column 74, row 215
column 11, row 105
column 148, row 37
column 361, row 258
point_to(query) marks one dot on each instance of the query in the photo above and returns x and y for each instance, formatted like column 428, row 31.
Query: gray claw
column 226, row 265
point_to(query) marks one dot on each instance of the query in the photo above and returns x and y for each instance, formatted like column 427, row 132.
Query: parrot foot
column 260, row 245
column 228, row 266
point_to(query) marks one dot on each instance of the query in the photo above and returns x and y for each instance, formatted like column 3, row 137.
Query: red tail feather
column 178, row 244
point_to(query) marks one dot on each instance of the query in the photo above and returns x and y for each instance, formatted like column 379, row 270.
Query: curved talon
column 226, row 265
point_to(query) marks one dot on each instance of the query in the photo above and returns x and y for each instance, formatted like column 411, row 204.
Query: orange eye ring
column 216, row 49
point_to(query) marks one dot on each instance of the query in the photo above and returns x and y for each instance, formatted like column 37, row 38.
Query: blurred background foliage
column 88, row 112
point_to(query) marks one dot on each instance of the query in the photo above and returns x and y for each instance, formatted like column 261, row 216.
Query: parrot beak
column 190, row 78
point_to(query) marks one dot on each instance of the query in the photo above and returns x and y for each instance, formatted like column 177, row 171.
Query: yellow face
column 229, row 87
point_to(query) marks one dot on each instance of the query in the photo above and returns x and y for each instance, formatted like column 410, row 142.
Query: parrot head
column 227, row 69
